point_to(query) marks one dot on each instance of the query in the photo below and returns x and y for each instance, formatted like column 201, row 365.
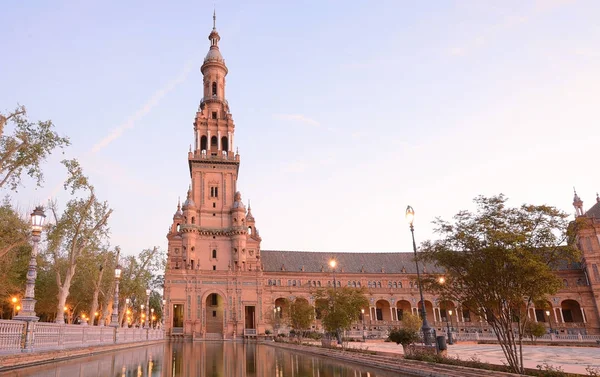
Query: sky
column 345, row 111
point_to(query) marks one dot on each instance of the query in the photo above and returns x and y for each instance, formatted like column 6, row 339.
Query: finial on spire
column 249, row 207
column 178, row 203
column 214, row 18
column 597, row 198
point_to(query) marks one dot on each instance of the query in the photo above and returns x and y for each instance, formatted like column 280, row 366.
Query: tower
column 210, row 231
column 214, row 250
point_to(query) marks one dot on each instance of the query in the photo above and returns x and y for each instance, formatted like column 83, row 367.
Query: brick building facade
column 220, row 284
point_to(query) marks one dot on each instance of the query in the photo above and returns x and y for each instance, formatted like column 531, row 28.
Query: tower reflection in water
column 199, row 359
column 232, row 359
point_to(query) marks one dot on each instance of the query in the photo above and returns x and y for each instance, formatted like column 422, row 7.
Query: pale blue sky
column 345, row 111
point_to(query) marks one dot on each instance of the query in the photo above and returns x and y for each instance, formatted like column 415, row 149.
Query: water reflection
column 203, row 359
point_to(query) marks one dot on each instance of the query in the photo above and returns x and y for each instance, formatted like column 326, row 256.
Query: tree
column 302, row 315
column 83, row 226
column 14, row 255
column 498, row 261
column 412, row 322
column 138, row 274
column 405, row 336
column 340, row 307
column 28, row 146
column 534, row 330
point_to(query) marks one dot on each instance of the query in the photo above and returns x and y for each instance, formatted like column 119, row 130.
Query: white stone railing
column 544, row 338
column 11, row 335
column 17, row 336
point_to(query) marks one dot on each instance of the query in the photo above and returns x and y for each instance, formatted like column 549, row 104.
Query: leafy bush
column 404, row 336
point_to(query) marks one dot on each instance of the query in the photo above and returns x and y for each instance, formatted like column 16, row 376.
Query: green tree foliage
column 14, row 256
column 498, row 261
column 340, row 307
column 26, row 148
column 412, row 322
column 404, row 336
column 534, row 330
column 81, row 228
column 138, row 274
column 302, row 315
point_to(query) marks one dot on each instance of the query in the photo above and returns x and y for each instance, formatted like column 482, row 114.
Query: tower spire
column 214, row 19
column 577, row 203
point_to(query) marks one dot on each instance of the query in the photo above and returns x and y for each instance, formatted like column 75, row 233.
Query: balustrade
column 47, row 336
column 11, row 335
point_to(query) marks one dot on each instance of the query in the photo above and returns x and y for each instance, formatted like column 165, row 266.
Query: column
column 195, row 140
column 229, row 141
column 208, row 142
column 562, row 319
column 218, row 140
column 583, row 315
column 391, row 314
column 534, row 315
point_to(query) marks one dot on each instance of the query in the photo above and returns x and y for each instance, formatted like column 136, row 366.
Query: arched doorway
column 447, row 311
column 215, row 310
column 428, row 310
column 382, row 311
column 281, row 312
column 402, row 307
column 571, row 311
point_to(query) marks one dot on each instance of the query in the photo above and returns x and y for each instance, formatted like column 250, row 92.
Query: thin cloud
column 296, row 118
column 144, row 110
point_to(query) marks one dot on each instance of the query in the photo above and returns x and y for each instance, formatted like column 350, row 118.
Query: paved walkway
column 570, row 359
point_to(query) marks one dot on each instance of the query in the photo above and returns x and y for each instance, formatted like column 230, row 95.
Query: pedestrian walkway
column 570, row 359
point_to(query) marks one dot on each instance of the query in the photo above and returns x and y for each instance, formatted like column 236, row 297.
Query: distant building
column 220, row 284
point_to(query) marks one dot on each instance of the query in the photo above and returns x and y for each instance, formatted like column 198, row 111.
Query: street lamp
column 448, row 319
column 362, row 311
column 37, row 222
column 332, row 264
column 127, row 313
column 14, row 305
column 148, row 291
column 410, row 216
column 549, row 320
column 114, row 318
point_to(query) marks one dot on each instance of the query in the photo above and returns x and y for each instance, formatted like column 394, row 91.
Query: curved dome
column 213, row 55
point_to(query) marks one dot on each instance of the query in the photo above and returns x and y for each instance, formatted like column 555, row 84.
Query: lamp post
column 448, row 319
column 410, row 216
column 14, row 305
column 148, row 291
column 28, row 303
column 549, row 320
column 362, row 312
column 114, row 318
column 142, row 315
column 332, row 264
column 127, row 313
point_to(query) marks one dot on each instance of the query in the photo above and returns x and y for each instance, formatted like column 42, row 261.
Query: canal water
column 200, row 359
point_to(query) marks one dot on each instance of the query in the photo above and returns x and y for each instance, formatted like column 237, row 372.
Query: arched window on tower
column 203, row 143
column 214, row 88
column 224, row 144
column 214, row 143
column 250, row 230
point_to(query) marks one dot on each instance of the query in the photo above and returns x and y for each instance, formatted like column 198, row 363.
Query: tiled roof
column 360, row 263
column 594, row 211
